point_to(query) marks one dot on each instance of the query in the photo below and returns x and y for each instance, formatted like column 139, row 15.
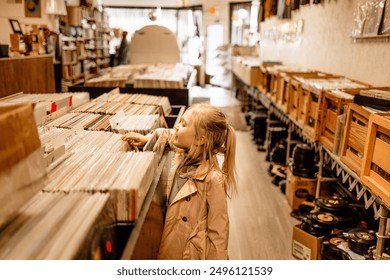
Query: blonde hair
column 219, row 138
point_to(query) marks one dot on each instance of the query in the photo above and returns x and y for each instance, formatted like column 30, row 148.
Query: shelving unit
column 342, row 172
column 72, row 62
column 90, row 44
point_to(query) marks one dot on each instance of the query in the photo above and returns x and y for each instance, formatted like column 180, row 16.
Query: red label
column 53, row 107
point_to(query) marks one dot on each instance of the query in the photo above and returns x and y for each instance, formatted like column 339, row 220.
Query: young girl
column 197, row 222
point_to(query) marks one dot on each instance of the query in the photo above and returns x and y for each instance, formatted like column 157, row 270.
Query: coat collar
column 196, row 172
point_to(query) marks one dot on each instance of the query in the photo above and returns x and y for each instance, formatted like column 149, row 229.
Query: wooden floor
column 260, row 221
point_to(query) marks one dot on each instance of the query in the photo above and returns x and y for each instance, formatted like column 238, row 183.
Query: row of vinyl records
column 138, row 123
column 108, row 103
column 137, row 98
column 97, row 174
column 125, row 175
column 174, row 76
column 57, row 226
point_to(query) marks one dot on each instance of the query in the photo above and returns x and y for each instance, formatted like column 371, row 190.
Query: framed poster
column 15, row 26
column 32, row 8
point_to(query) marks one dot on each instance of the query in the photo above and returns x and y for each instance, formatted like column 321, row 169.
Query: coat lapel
column 188, row 188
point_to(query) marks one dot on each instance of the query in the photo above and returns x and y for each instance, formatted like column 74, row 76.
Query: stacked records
column 55, row 226
column 330, row 83
column 137, row 123
column 87, row 121
column 82, row 141
column 111, row 108
column 126, row 176
column 361, row 239
column 108, row 80
column 68, row 99
column 163, row 76
column 137, row 98
column 329, row 247
column 143, row 124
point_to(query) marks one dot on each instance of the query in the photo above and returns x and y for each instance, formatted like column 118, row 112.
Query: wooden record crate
column 264, row 78
column 334, row 103
column 309, row 111
column 375, row 173
column 295, row 90
column 311, row 105
column 355, row 133
column 274, row 77
column 278, row 85
column 284, row 90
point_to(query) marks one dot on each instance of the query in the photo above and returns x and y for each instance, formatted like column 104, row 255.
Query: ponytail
column 229, row 160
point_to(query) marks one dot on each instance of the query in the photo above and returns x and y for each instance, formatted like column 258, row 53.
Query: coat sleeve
column 217, row 218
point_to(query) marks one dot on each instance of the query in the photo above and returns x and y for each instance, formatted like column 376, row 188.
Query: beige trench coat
column 196, row 223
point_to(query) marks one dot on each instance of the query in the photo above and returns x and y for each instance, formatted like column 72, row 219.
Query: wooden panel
column 357, row 136
column 376, row 150
column 27, row 74
column 352, row 161
column 381, row 148
column 378, row 186
column 331, row 121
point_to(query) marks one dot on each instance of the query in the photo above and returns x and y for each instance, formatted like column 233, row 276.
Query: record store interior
column 305, row 84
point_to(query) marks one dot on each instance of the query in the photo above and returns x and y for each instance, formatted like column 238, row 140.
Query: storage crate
column 309, row 111
column 375, row 173
column 311, row 101
column 264, row 78
column 247, row 69
column 284, row 90
column 273, row 73
column 295, row 85
column 334, row 104
column 355, row 133
column 278, row 85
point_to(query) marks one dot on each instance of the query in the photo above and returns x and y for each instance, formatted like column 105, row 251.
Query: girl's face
column 185, row 132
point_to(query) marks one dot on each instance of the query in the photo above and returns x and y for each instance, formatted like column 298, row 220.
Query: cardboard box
column 304, row 245
column 298, row 188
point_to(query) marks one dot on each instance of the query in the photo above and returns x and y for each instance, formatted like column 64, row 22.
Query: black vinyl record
column 315, row 229
column 361, row 239
column 325, row 218
column 331, row 203
column 329, row 249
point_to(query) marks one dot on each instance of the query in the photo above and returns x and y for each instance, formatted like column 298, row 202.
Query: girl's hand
column 136, row 139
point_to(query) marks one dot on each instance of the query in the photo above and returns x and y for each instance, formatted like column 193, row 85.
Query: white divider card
column 63, row 138
column 63, row 102
column 115, row 120
column 59, row 113
column 54, row 155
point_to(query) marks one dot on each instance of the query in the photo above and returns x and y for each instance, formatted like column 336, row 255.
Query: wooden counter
column 29, row 74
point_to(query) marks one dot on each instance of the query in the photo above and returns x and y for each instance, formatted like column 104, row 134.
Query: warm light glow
column 242, row 13
column 56, row 7
column 212, row 10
